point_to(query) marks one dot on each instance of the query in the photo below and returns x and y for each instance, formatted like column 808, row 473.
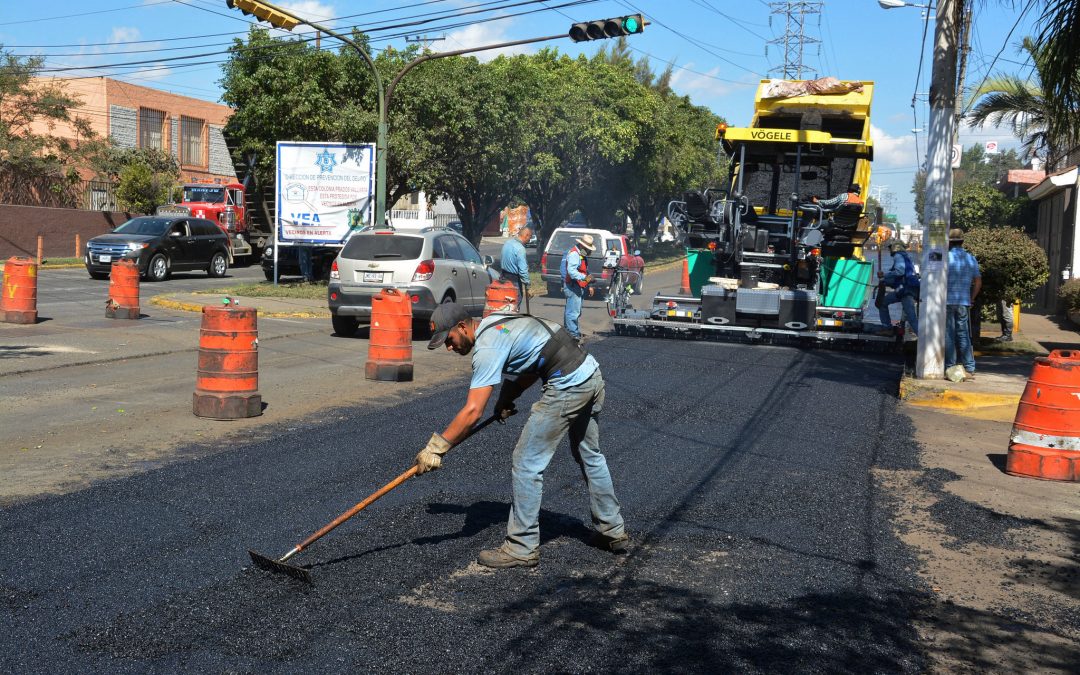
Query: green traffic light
column 631, row 24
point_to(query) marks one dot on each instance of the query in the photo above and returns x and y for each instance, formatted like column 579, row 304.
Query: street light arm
column 458, row 52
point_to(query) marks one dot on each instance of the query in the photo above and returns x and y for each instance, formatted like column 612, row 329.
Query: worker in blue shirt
column 515, row 267
column 526, row 349
column 576, row 282
column 902, row 278
column 964, row 284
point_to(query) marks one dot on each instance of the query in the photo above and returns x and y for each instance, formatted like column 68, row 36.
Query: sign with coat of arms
column 324, row 191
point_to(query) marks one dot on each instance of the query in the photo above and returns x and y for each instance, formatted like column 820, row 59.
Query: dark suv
column 160, row 245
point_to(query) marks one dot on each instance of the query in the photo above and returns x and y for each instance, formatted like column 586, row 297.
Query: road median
column 270, row 307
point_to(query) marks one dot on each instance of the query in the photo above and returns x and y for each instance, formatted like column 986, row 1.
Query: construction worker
column 515, row 267
column 964, row 284
column 527, row 349
column 905, row 282
column 576, row 279
column 849, row 197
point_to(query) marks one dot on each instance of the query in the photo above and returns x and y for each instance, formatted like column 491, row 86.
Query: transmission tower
column 794, row 40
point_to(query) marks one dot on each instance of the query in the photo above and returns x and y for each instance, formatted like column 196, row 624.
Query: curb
column 169, row 303
column 936, row 396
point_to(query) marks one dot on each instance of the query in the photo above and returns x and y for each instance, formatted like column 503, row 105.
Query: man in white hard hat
column 576, row 279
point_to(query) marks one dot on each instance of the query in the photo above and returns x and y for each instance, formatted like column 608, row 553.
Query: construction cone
column 1045, row 439
column 684, row 285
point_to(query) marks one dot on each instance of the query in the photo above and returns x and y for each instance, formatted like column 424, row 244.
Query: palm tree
column 1059, row 43
column 1025, row 105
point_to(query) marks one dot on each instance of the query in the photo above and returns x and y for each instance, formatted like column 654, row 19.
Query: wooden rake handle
column 368, row 501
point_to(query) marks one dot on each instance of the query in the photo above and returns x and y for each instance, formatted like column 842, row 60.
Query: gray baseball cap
column 443, row 320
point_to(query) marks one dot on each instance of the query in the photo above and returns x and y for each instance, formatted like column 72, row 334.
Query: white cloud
column 122, row 34
column 478, row 35
column 689, row 83
column 310, row 9
column 893, row 151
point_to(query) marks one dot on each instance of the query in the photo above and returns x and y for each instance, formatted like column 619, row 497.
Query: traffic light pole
column 930, row 358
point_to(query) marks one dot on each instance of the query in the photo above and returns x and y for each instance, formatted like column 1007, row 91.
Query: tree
column 1059, row 42
column 146, row 181
column 1013, row 265
column 39, row 168
column 977, row 205
column 1025, row 105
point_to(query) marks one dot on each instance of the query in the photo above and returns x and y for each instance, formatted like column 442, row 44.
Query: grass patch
column 55, row 262
column 1018, row 346
column 266, row 289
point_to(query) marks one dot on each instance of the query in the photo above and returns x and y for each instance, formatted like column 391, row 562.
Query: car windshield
column 383, row 247
column 150, row 226
column 204, row 193
column 562, row 241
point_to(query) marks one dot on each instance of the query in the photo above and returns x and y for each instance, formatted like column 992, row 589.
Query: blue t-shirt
column 512, row 347
column 513, row 262
column 963, row 270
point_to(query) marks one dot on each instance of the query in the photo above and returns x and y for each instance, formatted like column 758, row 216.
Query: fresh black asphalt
column 760, row 540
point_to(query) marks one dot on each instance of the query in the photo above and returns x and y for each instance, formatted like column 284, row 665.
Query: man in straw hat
column 576, row 279
column 965, row 282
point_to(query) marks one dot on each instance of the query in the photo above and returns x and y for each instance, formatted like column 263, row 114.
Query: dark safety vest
column 560, row 355
column 583, row 267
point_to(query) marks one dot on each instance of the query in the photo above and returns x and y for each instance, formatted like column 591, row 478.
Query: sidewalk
column 1000, row 376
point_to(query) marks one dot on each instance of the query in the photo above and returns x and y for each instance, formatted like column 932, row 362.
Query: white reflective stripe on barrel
column 1047, row 441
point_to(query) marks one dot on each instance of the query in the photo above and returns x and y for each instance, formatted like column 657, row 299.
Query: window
column 383, row 247
column 447, row 249
column 469, row 253
column 151, row 128
column 191, row 141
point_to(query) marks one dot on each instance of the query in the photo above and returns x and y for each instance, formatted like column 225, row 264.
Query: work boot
column 608, row 543
column 499, row 559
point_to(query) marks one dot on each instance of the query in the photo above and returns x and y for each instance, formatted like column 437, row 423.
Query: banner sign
column 324, row 191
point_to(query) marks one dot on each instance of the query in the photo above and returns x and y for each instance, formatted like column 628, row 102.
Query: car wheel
column 100, row 276
column 345, row 326
column 218, row 265
column 158, row 268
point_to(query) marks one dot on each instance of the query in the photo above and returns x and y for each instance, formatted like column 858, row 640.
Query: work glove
column 430, row 458
column 504, row 405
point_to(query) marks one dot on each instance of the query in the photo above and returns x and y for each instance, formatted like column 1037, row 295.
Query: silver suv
column 432, row 265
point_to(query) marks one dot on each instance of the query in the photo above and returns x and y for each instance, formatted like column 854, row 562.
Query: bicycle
column 622, row 287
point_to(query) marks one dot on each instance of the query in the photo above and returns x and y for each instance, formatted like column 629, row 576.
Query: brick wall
column 21, row 225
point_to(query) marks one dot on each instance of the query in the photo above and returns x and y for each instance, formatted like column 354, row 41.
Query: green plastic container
column 701, row 268
column 845, row 282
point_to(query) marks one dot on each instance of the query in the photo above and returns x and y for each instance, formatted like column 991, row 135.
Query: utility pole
column 930, row 358
column 965, row 47
column 424, row 40
column 794, row 39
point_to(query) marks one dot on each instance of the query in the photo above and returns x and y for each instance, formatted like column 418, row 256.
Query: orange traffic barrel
column 227, row 385
column 19, row 301
column 501, row 296
column 684, row 283
column 390, row 340
column 123, row 302
column 1045, row 440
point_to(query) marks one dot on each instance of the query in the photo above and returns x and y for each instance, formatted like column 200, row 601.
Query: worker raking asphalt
column 759, row 541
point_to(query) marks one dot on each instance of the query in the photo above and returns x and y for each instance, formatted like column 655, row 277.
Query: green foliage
column 142, row 190
column 1069, row 292
column 977, row 205
column 113, row 160
column 1013, row 265
column 36, row 167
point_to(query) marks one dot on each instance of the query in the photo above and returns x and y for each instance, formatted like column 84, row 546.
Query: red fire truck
column 224, row 203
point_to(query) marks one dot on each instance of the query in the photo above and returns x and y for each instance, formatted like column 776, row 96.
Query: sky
column 719, row 49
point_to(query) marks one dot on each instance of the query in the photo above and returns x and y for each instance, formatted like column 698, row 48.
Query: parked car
column 456, row 226
column 161, row 245
column 432, row 265
column 563, row 238
column 322, row 259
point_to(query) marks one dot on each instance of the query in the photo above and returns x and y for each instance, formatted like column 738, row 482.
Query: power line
column 1028, row 6
column 72, row 16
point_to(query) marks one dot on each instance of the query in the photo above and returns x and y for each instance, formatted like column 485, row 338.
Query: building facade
column 133, row 116
column 1057, row 231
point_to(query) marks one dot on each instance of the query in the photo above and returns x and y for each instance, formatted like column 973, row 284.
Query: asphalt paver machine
column 763, row 257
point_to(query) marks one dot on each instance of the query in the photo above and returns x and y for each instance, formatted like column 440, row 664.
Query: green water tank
column 845, row 282
column 700, row 261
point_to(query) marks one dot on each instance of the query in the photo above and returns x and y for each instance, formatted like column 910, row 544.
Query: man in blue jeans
column 576, row 282
column 515, row 266
column 905, row 284
column 527, row 349
column 965, row 282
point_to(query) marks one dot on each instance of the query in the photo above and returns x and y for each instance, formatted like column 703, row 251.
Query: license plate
column 373, row 277
column 104, row 258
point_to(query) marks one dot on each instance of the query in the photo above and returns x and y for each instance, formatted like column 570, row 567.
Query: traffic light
column 607, row 28
column 264, row 12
